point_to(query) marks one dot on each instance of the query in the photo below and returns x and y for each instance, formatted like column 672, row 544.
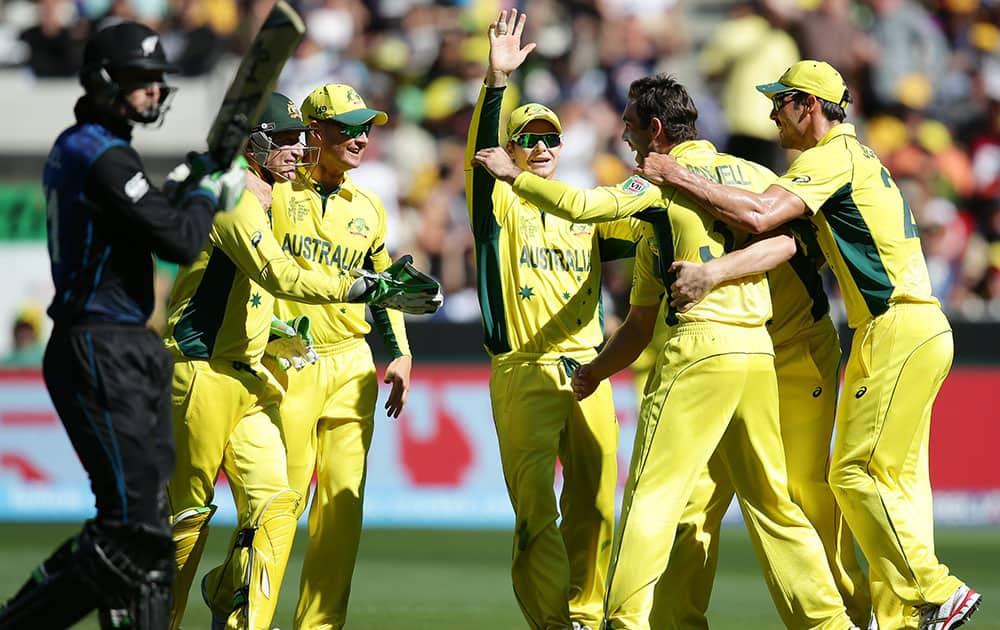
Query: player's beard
column 153, row 116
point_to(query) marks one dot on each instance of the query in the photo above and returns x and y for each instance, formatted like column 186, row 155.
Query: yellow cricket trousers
column 327, row 418
column 558, row 572
column 225, row 417
column 878, row 470
column 807, row 369
column 714, row 388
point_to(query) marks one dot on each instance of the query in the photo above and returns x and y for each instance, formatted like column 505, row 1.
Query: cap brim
column 361, row 116
column 770, row 89
column 292, row 128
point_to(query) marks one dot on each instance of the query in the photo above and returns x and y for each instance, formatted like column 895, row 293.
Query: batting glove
column 401, row 287
column 178, row 183
column 291, row 345
column 224, row 186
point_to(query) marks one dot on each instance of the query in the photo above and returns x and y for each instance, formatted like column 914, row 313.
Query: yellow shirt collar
column 694, row 151
column 347, row 188
column 842, row 129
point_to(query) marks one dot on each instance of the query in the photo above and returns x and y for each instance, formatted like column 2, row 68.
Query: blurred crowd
column 925, row 79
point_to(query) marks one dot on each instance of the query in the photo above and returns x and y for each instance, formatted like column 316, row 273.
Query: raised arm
column 751, row 212
column 506, row 55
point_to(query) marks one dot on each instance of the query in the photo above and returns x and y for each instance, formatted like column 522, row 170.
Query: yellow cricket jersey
column 677, row 229
column 798, row 299
column 539, row 276
column 220, row 306
column 332, row 232
column 866, row 229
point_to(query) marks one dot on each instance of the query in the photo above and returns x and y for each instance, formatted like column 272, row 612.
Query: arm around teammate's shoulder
column 118, row 183
column 746, row 210
column 693, row 281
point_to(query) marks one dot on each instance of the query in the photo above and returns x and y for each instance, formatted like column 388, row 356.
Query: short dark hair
column 832, row 111
column 664, row 98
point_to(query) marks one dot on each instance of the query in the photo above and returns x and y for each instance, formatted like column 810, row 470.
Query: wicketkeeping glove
column 291, row 345
column 402, row 287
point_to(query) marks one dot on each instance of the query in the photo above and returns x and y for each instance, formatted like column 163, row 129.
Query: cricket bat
column 254, row 81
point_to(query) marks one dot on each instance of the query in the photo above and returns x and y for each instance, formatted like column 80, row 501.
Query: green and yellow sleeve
column 245, row 236
column 617, row 239
column 388, row 322
column 647, row 288
column 606, row 203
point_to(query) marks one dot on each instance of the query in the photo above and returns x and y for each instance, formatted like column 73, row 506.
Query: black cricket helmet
column 114, row 51
column 280, row 116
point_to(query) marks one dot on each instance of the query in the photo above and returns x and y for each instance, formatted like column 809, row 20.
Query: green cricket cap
column 280, row 114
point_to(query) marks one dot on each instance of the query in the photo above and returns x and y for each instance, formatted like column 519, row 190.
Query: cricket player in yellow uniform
column 539, row 291
column 225, row 403
column 714, row 386
column 903, row 347
column 807, row 365
column 329, row 225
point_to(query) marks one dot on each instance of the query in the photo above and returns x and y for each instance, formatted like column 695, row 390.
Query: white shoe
column 954, row 612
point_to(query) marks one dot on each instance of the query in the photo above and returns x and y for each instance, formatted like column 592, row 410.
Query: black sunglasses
column 354, row 131
column 781, row 99
column 529, row 140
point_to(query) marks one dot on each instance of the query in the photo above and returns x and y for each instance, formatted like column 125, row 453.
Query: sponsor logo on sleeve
column 635, row 185
column 137, row 187
column 802, row 179
column 255, row 239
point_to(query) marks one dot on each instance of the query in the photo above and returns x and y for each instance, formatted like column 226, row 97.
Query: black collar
column 87, row 112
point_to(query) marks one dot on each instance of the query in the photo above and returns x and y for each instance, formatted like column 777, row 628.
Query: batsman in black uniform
column 108, row 375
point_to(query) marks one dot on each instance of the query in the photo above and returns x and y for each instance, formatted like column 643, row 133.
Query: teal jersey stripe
column 659, row 218
column 380, row 318
column 199, row 324
column 805, row 263
column 615, row 248
column 600, row 310
column 486, row 231
column 490, row 292
column 854, row 240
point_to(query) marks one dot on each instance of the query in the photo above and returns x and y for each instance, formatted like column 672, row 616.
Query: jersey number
column 728, row 241
column 909, row 227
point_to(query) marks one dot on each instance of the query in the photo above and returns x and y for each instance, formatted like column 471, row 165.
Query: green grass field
column 451, row 580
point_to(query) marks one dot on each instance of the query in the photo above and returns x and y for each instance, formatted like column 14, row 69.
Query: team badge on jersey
column 255, row 239
column 581, row 229
column 635, row 185
column 358, row 227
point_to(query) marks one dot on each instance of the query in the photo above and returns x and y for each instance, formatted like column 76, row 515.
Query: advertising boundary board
column 438, row 464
